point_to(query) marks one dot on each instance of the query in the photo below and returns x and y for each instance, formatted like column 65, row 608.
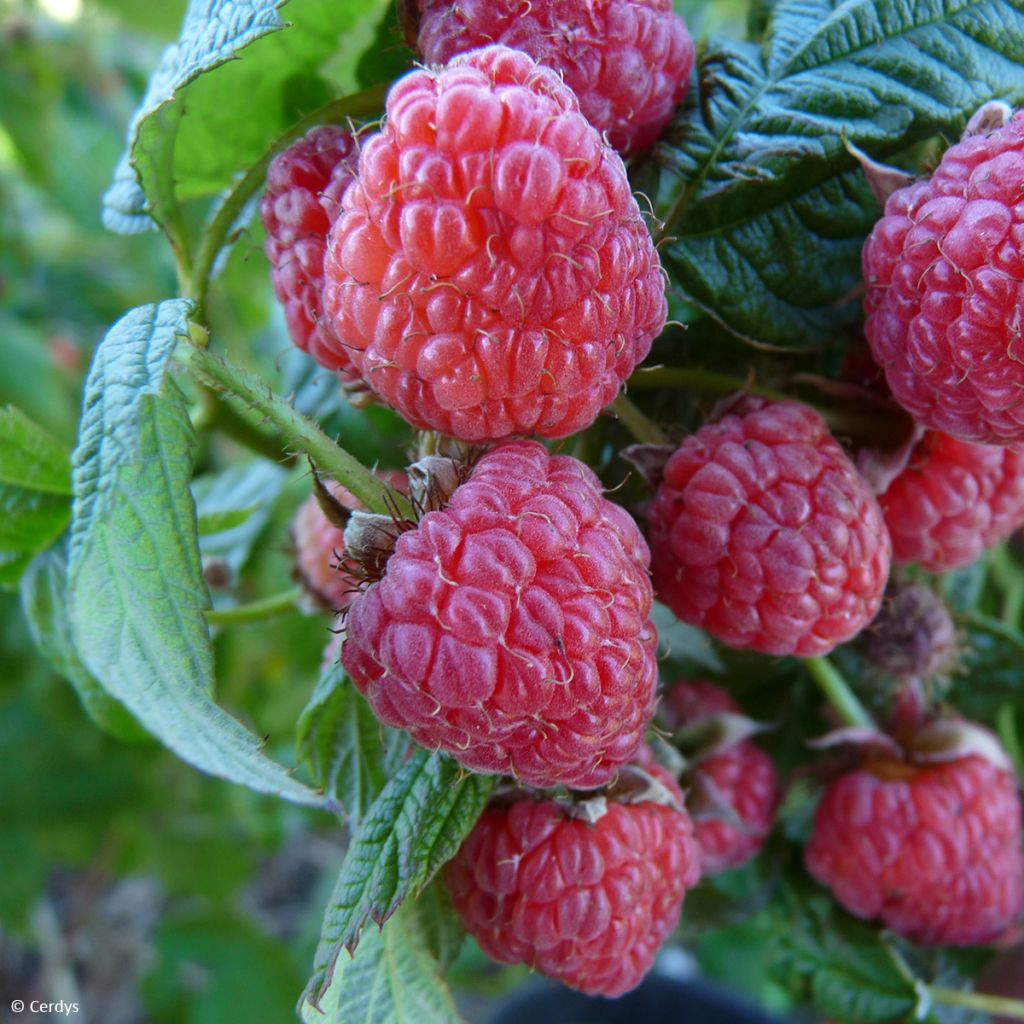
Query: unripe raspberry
column 765, row 535
column 490, row 268
column 627, row 61
column 953, row 501
column 740, row 779
column 511, row 628
column 586, row 903
column 301, row 201
column 913, row 636
column 320, row 548
column 945, row 274
column 932, row 851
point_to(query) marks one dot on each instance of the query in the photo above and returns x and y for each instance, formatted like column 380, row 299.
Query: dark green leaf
column 844, row 964
column 344, row 743
column 30, row 457
column 391, row 979
column 440, row 926
column 236, row 108
column 44, row 599
column 138, row 599
column 414, row 826
column 773, row 212
column 29, row 522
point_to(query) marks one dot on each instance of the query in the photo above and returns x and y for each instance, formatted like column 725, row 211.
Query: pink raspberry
column 627, row 61
column 945, row 274
column 320, row 549
column 588, row 904
column 953, row 501
column 742, row 776
column 765, row 535
column 490, row 269
column 301, row 201
column 931, row 851
column 511, row 628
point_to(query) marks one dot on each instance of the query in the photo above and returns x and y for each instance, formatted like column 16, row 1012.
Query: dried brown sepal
column 648, row 460
column 710, row 735
column 370, row 539
column 949, row 739
column 989, row 117
column 869, row 742
column 334, row 511
column 883, row 179
column 706, row 802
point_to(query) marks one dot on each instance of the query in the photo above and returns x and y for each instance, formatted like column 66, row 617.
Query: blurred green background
column 130, row 884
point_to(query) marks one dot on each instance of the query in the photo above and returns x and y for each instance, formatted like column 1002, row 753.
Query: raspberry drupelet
column 764, row 533
column 944, row 269
column 511, row 628
column 490, row 268
column 627, row 61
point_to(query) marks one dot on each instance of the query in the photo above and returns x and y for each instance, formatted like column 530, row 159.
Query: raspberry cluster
column 628, row 63
column 490, row 269
column 588, row 903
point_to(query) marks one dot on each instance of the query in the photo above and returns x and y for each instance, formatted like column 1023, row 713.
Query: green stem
column 879, row 425
column 838, row 693
column 645, row 431
column 297, row 431
column 1010, row 580
column 978, row 1001
column 216, row 236
column 255, row 611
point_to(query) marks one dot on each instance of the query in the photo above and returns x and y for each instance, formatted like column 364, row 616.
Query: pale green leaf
column 30, row 457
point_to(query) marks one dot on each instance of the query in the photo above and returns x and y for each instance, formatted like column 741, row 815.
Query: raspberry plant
column 472, row 265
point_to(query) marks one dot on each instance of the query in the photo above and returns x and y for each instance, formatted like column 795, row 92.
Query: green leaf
column 414, row 826
column 44, row 599
column 138, row 599
column 236, row 107
column 233, row 508
column 844, row 963
column 344, row 744
column 29, row 522
column 391, row 979
column 440, row 926
column 30, row 457
column 772, row 214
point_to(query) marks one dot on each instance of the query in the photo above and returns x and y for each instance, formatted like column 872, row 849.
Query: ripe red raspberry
column 945, row 274
column 953, row 501
column 511, row 628
column 588, row 904
column 301, row 201
column 932, row 851
column 765, row 535
column 627, row 61
column 320, row 548
column 491, row 270
column 741, row 776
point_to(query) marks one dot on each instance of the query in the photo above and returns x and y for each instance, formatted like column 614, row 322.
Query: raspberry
column 741, row 776
column 953, row 501
column 301, row 201
column 765, row 535
column 932, row 851
column 588, row 904
column 320, row 549
column 511, row 628
column 945, row 274
column 490, row 269
column 628, row 62
column 913, row 636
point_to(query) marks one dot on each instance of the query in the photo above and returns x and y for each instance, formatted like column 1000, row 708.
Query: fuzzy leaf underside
column 242, row 71
column 137, row 595
column 769, row 232
column 415, row 825
column 391, row 979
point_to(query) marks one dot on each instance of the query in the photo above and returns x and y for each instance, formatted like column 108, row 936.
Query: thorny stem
column 216, row 236
column 256, row 611
column 644, row 430
column 297, row 431
column 838, row 693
